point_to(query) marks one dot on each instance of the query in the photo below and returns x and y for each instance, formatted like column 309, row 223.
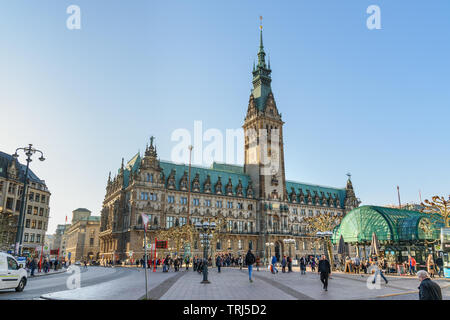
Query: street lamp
column 289, row 242
column 270, row 244
column 325, row 235
column 205, row 232
column 29, row 151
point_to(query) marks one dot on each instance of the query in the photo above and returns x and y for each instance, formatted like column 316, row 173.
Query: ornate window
column 218, row 187
column 171, row 180
column 196, row 183
column 184, row 182
column 239, row 189
column 229, row 187
column 207, row 185
column 249, row 190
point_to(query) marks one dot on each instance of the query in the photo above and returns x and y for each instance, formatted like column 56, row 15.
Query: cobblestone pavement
column 233, row 284
column 98, row 283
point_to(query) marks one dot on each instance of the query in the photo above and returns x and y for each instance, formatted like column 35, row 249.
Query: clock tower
column 263, row 130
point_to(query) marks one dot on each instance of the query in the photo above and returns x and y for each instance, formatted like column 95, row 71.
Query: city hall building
column 258, row 208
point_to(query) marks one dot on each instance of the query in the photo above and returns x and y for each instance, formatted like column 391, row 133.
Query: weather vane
column 260, row 24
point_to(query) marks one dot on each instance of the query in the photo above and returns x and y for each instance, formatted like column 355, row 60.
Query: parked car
column 78, row 263
column 12, row 275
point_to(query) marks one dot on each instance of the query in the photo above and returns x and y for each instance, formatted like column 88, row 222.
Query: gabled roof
column 224, row 171
column 5, row 160
column 203, row 172
column 312, row 187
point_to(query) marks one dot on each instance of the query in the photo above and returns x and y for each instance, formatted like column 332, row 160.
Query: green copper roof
column 224, row 171
column 304, row 186
column 261, row 79
column 228, row 167
column 214, row 174
column 389, row 224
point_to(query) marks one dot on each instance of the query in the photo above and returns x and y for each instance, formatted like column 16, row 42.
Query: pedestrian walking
column 430, row 265
column 46, row 266
column 258, row 261
column 357, row 264
column 325, row 271
column 313, row 265
column 218, row 263
column 273, row 265
column 33, row 266
column 56, row 264
column 85, row 264
column 302, row 265
column 283, row 264
column 194, row 264
column 289, row 264
column 412, row 265
column 378, row 270
column 249, row 261
column 428, row 289
column 440, row 266
column 241, row 262
column 187, row 263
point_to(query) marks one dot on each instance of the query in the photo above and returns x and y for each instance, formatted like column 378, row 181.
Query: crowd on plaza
column 45, row 265
column 388, row 265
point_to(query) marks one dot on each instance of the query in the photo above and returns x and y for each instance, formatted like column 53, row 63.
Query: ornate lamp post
column 326, row 235
column 205, row 232
column 29, row 151
column 289, row 242
column 270, row 244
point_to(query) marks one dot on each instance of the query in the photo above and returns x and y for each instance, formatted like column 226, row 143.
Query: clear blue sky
column 372, row 102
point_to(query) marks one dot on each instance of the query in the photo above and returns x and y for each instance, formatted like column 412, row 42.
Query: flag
column 144, row 220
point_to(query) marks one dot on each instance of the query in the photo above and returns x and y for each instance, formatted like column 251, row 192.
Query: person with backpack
column 250, row 260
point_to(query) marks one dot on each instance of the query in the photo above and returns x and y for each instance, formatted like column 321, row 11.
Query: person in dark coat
column 440, row 265
column 32, row 266
column 428, row 289
column 303, row 265
column 325, row 271
column 218, row 263
column 249, row 261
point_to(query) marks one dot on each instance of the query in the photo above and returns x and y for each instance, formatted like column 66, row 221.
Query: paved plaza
column 122, row 283
column 233, row 284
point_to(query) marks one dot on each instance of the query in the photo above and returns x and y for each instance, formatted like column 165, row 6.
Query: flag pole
column 145, row 262
column 154, row 258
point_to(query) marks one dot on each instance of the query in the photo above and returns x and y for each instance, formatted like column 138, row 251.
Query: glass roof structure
column 389, row 224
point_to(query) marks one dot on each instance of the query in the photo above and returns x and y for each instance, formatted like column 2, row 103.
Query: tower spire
column 261, row 53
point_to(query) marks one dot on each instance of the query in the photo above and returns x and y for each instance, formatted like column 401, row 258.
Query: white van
column 12, row 276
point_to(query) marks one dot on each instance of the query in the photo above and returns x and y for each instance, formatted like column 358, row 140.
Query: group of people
column 33, row 264
column 228, row 260
column 388, row 265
